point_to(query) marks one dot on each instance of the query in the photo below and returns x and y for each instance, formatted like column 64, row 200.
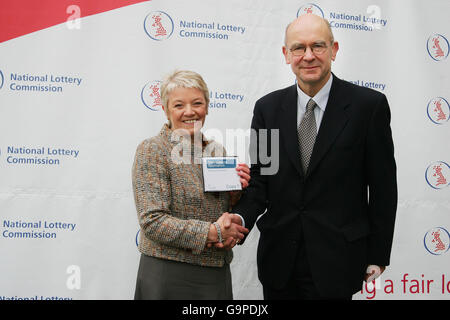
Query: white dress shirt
column 321, row 99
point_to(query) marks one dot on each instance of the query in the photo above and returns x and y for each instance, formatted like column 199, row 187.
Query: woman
column 179, row 222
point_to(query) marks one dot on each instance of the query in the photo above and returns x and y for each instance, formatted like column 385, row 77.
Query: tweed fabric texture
column 307, row 132
column 173, row 211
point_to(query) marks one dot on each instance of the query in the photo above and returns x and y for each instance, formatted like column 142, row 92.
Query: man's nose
column 309, row 55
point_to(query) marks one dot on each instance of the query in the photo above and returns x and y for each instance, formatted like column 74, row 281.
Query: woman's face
column 186, row 109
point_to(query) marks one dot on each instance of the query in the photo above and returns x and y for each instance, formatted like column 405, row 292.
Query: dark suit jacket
column 328, row 207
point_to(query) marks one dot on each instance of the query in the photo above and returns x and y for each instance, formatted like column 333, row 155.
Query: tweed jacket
column 173, row 211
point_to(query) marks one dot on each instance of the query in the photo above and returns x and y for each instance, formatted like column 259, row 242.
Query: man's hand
column 232, row 231
column 230, row 218
column 373, row 272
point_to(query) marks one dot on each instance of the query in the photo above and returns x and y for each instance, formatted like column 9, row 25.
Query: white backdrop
column 75, row 103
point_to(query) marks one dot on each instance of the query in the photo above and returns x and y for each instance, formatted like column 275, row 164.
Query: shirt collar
column 321, row 98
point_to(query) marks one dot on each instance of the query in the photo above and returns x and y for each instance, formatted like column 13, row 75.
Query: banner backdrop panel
column 79, row 90
column 73, row 247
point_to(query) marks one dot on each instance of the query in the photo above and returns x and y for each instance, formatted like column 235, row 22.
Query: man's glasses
column 317, row 48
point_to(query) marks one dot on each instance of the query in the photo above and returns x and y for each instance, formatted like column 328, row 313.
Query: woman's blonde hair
column 182, row 79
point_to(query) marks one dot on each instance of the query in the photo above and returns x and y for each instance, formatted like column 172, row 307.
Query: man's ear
column 335, row 49
column 286, row 55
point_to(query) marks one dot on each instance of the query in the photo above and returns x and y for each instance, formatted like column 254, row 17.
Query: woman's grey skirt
column 160, row 279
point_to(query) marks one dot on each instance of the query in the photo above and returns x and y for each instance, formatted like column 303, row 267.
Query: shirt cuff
column 242, row 219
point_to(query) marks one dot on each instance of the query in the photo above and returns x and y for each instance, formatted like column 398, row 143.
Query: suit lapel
column 288, row 127
column 334, row 120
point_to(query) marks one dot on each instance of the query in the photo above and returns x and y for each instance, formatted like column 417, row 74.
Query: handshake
column 227, row 228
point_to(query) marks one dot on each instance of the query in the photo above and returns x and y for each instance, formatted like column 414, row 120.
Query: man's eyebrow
column 297, row 44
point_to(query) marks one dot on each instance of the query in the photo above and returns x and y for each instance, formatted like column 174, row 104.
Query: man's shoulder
column 358, row 91
column 366, row 99
column 276, row 96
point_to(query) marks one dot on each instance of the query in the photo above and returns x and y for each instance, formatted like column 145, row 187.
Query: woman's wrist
column 219, row 232
column 212, row 234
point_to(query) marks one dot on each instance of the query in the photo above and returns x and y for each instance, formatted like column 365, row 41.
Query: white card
column 219, row 174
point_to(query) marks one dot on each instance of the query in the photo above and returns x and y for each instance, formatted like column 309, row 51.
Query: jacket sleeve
column 253, row 201
column 152, row 194
column 382, row 182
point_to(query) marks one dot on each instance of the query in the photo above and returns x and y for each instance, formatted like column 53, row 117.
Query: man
column 331, row 205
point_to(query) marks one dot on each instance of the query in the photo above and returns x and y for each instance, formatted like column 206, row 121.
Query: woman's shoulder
column 153, row 145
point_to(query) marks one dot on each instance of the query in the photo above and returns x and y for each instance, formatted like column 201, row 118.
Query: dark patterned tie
column 307, row 132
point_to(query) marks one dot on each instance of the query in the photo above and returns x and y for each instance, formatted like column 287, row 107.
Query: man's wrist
column 242, row 219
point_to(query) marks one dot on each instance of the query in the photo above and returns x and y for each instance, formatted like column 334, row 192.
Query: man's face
column 311, row 69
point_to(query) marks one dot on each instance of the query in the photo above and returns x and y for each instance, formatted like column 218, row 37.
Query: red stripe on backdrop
column 20, row 17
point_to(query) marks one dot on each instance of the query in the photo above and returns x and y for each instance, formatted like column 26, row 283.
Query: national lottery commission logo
column 437, row 175
column 1, row 79
column 437, row 241
column 158, row 25
column 137, row 238
column 151, row 96
column 310, row 8
column 438, row 47
column 438, row 110
column 369, row 20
